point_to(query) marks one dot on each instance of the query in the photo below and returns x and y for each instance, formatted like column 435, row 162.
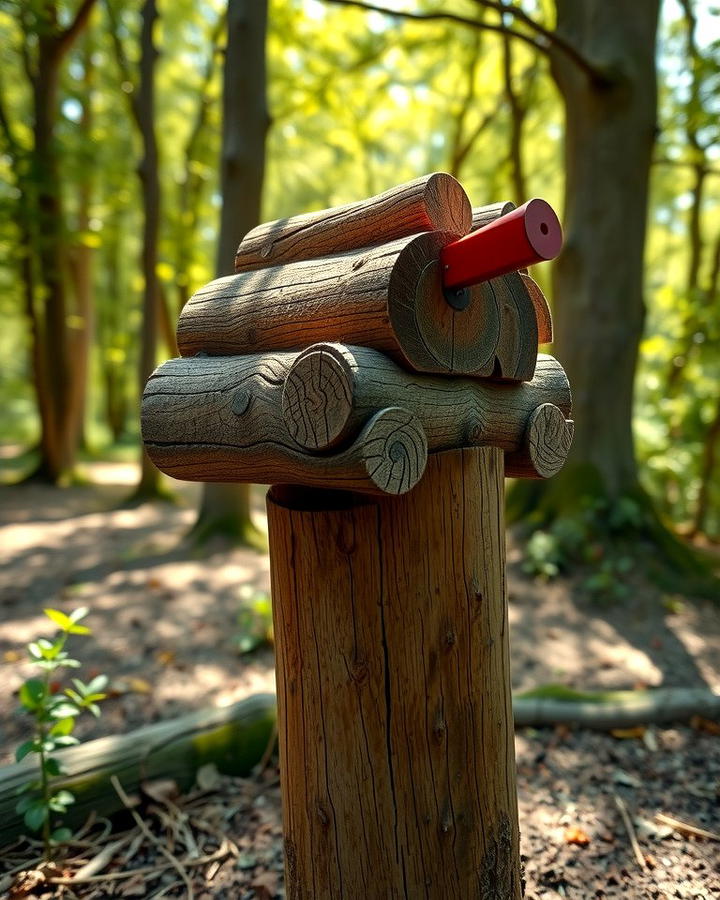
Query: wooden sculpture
column 378, row 365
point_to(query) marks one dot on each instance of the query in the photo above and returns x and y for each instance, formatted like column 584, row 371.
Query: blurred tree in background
column 533, row 97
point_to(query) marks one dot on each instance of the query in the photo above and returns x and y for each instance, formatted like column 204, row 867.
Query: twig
column 630, row 828
column 686, row 828
column 98, row 863
column 151, row 837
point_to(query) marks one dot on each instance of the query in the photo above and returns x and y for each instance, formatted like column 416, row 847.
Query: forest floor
column 160, row 614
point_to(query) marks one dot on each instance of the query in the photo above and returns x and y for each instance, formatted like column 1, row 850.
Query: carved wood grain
column 386, row 297
column 394, row 704
column 213, row 419
column 434, row 202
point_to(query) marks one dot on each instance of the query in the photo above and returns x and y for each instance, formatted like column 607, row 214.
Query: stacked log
column 324, row 360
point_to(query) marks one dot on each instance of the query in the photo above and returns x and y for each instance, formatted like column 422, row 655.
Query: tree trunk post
column 385, row 518
column 393, row 683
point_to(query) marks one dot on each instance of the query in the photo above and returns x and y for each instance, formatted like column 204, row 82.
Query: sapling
column 54, row 712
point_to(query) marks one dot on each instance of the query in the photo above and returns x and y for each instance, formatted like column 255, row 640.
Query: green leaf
column 79, row 613
column 35, row 650
column 53, row 766
column 59, row 618
column 64, row 797
column 66, row 741
column 25, row 748
column 32, row 693
column 98, row 684
column 61, row 835
column 35, row 815
column 94, row 708
column 63, row 727
column 24, row 804
column 64, row 710
column 79, row 629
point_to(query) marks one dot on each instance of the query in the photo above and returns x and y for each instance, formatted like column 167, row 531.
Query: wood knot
column 450, row 639
column 359, row 671
column 240, row 403
column 322, row 814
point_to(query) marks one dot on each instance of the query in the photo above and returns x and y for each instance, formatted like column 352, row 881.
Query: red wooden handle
column 529, row 234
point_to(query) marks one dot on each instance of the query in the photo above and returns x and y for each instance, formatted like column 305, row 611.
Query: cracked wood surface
column 395, row 718
column 435, row 202
column 388, row 297
column 220, row 419
column 331, row 391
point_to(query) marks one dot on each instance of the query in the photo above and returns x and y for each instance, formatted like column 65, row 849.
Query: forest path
column 165, row 618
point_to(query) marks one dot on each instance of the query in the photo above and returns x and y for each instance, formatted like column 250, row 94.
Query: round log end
column 548, row 437
column 317, row 398
column 394, row 450
column 447, row 205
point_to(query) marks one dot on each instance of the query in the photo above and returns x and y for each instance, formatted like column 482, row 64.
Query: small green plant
column 254, row 620
column 54, row 713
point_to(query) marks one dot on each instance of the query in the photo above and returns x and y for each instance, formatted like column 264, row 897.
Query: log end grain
column 394, row 450
column 317, row 399
column 546, row 444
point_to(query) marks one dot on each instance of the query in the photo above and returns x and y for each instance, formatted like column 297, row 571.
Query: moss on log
column 234, row 738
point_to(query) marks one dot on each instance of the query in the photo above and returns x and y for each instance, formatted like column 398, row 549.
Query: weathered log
column 388, row 297
column 212, row 419
column 542, row 310
column 234, row 738
column 483, row 215
column 332, row 390
column 553, row 705
column 394, row 706
column 434, row 202
column 545, row 446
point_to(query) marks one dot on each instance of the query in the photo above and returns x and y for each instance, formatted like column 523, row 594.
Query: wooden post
column 395, row 720
column 322, row 367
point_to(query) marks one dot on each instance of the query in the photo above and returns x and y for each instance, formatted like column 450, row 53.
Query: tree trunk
column 394, row 706
column 225, row 509
column 150, row 181
column 81, row 263
column 610, row 132
column 598, row 279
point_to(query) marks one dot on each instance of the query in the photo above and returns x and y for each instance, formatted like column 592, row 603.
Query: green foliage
column 593, row 538
column 254, row 620
column 54, row 713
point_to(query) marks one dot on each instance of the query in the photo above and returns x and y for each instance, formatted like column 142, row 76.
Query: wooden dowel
column 331, row 390
column 388, row 297
column 394, row 706
column 212, row 419
column 434, row 202
column 517, row 239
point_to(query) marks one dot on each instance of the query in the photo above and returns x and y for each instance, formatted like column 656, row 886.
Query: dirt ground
column 160, row 615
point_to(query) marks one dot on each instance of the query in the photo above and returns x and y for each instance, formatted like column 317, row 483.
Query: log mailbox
column 378, row 365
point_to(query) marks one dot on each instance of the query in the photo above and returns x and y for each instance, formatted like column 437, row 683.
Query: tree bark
column 598, row 279
column 150, row 181
column 394, row 706
column 81, row 262
column 56, row 370
column 225, row 509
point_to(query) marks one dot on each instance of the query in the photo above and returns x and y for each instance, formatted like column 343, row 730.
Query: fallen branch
column 685, row 828
column 234, row 738
column 557, row 705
